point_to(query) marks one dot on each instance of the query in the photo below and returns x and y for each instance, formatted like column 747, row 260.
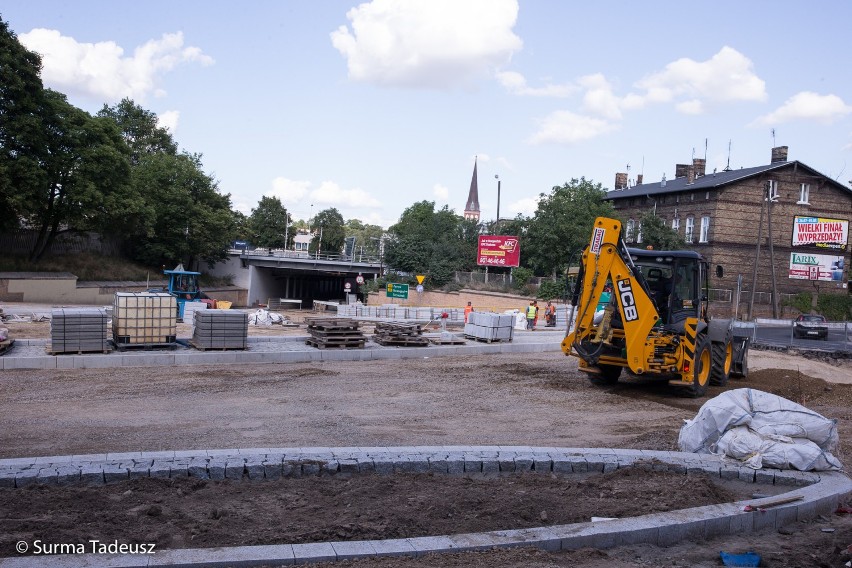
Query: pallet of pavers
column 400, row 334
column 79, row 330
column 219, row 329
column 488, row 327
column 334, row 332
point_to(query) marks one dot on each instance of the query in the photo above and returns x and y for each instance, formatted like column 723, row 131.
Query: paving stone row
column 820, row 494
column 275, row 463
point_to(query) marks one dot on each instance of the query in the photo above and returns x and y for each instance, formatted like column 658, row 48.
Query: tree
column 267, row 225
column 562, row 224
column 140, row 129
column 186, row 219
column 435, row 243
column 82, row 165
column 328, row 232
column 366, row 236
column 657, row 234
column 21, row 133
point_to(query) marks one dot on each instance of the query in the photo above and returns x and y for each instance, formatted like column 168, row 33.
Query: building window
column 707, row 195
column 628, row 232
column 703, row 237
column 773, row 190
column 804, row 194
column 690, row 228
column 676, row 224
column 639, row 232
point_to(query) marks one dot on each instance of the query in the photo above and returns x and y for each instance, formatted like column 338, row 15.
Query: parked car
column 811, row 327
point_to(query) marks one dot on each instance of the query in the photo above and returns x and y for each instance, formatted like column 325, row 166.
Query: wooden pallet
column 401, row 341
column 447, row 341
column 144, row 346
column 329, row 324
column 103, row 351
column 485, row 340
column 347, row 344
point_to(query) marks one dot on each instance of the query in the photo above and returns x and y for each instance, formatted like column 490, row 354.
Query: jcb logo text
column 628, row 303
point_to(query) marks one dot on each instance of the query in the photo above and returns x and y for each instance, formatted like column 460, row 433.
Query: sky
column 371, row 107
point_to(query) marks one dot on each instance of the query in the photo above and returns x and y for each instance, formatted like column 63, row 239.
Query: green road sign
column 397, row 291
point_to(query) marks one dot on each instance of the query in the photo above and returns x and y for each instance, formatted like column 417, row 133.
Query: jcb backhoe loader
column 656, row 323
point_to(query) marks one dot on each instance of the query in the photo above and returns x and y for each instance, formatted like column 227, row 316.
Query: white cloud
column 565, row 127
column 599, row 98
column 516, row 84
column 526, row 206
column 728, row 76
column 101, row 70
column 427, row 43
column 807, row 106
column 441, row 193
column 330, row 193
column 169, row 120
column 289, row 191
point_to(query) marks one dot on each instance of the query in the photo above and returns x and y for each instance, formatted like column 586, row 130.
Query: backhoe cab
column 656, row 323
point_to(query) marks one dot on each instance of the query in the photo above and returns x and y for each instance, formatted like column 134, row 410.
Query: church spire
column 471, row 210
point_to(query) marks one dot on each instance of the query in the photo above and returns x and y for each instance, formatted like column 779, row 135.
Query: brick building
column 721, row 215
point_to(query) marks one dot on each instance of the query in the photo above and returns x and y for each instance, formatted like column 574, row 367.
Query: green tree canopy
column 435, row 243
column 140, row 130
column 328, row 232
column 186, row 219
column 562, row 224
column 367, row 237
column 657, row 234
column 268, row 224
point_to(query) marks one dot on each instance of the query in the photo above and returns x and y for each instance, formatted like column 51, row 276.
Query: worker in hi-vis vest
column 532, row 310
column 467, row 309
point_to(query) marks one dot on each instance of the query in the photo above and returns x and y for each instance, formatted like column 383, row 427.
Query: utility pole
column 757, row 256
column 771, row 252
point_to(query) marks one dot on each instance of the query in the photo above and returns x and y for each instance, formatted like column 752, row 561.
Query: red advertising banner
column 498, row 250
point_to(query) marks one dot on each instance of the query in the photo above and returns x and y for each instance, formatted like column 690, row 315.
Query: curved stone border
column 820, row 492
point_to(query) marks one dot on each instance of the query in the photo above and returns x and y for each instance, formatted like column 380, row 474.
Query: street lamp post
column 497, row 223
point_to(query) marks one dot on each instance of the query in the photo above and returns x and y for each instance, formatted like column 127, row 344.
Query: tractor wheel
column 608, row 376
column 720, row 370
column 701, row 367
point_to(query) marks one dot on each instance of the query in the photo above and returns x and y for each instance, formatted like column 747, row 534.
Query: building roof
column 712, row 181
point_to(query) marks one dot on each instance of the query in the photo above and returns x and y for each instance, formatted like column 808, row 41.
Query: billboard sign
column 821, row 267
column 498, row 250
column 820, row 232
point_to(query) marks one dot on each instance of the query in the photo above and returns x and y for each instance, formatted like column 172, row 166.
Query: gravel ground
column 498, row 399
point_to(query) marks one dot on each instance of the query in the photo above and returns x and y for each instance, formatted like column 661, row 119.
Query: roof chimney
column 779, row 154
column 621, row 181
column 680, row 170
column 700, row 165
column 690, row 175
column 638, row 179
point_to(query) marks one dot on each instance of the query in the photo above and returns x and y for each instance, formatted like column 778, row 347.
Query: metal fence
column 783, row 334
column 22, row 242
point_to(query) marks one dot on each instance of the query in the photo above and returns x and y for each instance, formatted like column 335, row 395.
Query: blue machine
column 183, row 285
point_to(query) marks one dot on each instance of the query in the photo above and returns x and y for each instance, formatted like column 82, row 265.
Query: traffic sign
column 419, row 288
column 420, row 278
column 359, row 279
column 397, row 291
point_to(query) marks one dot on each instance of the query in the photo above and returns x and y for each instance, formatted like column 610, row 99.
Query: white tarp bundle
column 265, row 318
column 762, row 429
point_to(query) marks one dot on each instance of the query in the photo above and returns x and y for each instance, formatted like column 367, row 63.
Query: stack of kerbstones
column 488, row 326
column 220, row 329
column 79, row 330
column 400, row 334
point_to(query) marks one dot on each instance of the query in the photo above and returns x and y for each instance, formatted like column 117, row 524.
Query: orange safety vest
column 467, row 310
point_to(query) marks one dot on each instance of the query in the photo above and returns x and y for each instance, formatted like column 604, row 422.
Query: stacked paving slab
column 488, row 326
column 220, row 329
column 78, row 330
column 144, row 319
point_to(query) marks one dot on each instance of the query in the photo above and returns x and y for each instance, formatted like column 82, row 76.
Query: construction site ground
column 508, row 399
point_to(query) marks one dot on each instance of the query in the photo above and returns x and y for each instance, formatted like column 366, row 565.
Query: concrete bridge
column 290, row 275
